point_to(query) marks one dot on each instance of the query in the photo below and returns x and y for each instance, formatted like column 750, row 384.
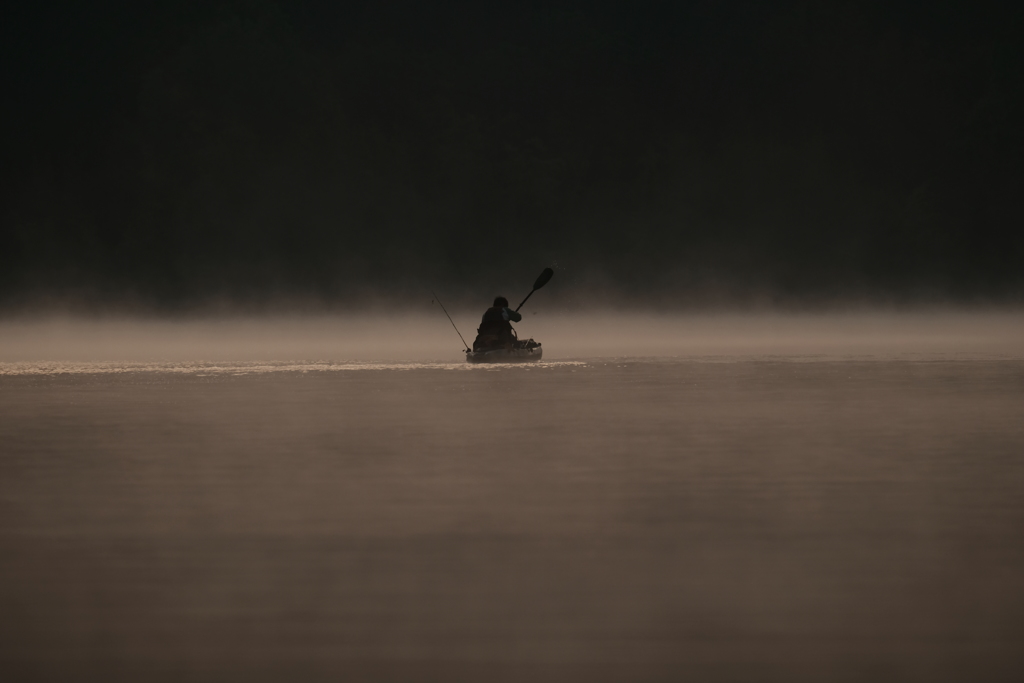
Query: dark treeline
column 173, row 151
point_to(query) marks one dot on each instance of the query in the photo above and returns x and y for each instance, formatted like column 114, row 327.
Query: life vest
column 494, row 330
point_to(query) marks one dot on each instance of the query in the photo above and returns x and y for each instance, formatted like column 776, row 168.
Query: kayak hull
column 506, row 355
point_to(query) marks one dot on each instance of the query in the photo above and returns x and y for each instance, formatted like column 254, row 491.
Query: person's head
column 501, row 302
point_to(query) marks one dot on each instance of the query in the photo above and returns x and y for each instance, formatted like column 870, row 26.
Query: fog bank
column 430, row 337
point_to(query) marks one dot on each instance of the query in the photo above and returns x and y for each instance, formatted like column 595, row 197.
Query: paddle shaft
column 540, row 282
column 524, row 300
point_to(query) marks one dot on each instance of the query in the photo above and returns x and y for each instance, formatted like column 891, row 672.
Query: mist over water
column 714, row 497
column 420, row 337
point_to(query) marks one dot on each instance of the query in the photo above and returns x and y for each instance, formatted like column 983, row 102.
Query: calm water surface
column 600, row 519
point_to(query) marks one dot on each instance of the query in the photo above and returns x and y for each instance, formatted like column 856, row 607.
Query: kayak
column 492, row 342
column 515, row 355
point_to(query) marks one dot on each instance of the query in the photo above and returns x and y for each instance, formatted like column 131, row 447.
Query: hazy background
column 164, row 155
column 131, row 344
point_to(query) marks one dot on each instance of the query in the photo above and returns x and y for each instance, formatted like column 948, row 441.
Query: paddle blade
column 543, row 279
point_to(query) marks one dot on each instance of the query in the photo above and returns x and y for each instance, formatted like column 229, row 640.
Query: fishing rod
column 450, row 319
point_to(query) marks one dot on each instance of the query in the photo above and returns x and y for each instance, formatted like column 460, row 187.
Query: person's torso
column 494, row 321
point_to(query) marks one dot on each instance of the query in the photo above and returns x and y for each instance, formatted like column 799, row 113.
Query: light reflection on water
column 250, row 367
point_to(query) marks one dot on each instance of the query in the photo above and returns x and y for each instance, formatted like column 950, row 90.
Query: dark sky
column 173, row 151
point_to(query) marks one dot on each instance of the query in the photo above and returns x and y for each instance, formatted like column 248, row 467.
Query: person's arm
column 511, row 315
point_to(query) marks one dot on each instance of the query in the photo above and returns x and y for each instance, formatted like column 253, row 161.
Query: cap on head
column 501, row 302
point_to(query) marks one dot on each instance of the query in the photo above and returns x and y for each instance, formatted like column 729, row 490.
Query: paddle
column 540, row 282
